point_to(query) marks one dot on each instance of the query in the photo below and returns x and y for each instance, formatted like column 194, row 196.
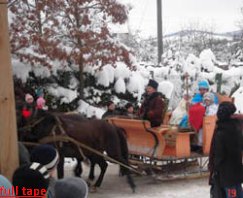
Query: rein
column 64, row 138
column 29, row 126
column 63, row 132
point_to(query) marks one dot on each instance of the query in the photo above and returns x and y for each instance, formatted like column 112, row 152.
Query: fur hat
column 71, row 187
column 208, row 96
column 33, row 176
column 46, row 155
column 153, row 83
column 225, row 110
column 203, row 84
column 29, row 97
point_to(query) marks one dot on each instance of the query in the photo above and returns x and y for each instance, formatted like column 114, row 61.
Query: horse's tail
column 124, row 154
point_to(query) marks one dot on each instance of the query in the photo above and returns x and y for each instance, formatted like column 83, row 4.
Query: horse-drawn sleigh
column 125, row 142
column 165, row 147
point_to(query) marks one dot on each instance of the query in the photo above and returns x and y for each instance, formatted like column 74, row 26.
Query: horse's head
column 37, row 126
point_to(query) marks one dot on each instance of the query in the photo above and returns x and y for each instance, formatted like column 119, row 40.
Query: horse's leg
column 103, row 166
column 78, row 169
column 60, row 167
column 92, row 170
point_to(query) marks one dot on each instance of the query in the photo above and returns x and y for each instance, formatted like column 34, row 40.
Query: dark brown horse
column 97, row 134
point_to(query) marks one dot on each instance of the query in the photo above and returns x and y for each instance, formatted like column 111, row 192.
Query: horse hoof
column 90, row 182
column 92, row 189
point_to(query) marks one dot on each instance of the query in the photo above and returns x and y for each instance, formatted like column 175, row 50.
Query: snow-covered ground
column 147, row 187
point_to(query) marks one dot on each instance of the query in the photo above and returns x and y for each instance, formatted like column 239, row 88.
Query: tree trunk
column 8, row 136
column 81, row 76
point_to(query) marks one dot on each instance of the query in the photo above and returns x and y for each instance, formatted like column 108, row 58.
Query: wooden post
column 159, row 30
column 8, row 136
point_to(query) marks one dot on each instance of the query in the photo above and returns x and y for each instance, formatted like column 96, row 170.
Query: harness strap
column 63, row 138
column 63, row 132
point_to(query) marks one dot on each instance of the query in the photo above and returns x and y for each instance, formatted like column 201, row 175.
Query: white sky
column 222, row 15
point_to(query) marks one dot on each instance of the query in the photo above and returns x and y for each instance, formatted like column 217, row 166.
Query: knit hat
column 39, row 92
column 29, row 98
column 71, row 187
column 33, row 176
column 5, row 183
column 46, row 155
column 225, row 110
column 203, row 84
column 153, row 83
column 208, row 96
column 196, row 98
column 40, row 102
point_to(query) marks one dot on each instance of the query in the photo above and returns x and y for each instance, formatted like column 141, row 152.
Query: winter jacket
column 152, row 109
column 228, row 144
column 211, row 109
column 196, row 114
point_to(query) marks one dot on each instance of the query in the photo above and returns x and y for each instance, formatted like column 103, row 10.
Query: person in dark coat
column 225, row 160
column 152, row 107
column 110, row 110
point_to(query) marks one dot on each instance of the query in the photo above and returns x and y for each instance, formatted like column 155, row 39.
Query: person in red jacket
column 28, row 107
column 152, row 107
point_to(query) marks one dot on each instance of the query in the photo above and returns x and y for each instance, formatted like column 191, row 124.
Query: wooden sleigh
column 165, row 141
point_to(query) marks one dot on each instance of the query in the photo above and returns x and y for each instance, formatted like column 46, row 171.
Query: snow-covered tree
column 62, row 32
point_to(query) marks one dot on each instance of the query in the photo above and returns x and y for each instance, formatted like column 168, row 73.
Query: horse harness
column 62, row 137
column 64, row 134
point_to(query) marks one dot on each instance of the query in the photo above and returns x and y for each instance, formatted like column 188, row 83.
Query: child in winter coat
column 211, row 107
column 28, row 107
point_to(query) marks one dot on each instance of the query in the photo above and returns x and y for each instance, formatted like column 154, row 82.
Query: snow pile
column 136, row 85
column 66, row 95
column 120, row 86
column 103, row 77
column 238, row 98
column 21, row 70
column 207, row 59
column 192, row 65
column 89, row 110
column 122, row 71
column 166, row 87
